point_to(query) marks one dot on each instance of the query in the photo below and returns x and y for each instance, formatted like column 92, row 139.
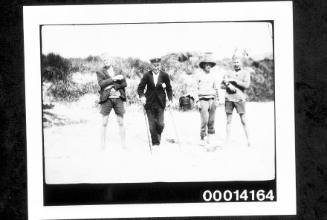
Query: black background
column 145, row 193
column 310, row 30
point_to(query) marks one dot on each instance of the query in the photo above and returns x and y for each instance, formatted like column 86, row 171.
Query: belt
column 206, row 99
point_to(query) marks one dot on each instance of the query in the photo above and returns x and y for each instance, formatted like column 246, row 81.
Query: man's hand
column 231, row 89
column 143, row 100
column 225, row 81
column 118, row 77
column 198, row 104
column 169, row 104
column 163, row 85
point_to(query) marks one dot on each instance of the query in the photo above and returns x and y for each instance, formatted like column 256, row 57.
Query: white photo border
column 278, row 12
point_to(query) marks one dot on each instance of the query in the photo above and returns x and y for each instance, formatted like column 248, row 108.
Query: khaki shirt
column 208, row 85
column 241, row 75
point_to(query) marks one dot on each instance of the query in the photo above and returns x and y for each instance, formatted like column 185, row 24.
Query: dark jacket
column 105, row 80
column 155, row 94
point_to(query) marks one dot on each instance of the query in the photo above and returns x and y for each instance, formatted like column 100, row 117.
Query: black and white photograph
column 154, row 109
column 121, row 105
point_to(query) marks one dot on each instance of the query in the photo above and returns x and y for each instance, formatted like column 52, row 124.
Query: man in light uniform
column 207, row 101
column 235, row 82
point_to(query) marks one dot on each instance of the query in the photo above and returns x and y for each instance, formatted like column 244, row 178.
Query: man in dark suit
column 154, row 98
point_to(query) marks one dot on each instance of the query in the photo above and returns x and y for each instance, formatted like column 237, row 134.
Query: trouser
column 207, row 112
column 156, row 123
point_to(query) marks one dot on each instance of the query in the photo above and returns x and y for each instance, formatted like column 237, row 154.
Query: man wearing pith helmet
column 207, row 101
column 156, row 83
column 235, row 83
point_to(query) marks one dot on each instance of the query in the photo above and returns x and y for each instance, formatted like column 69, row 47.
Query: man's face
column 207, row 67
column 111, row 71
column 106, row 64
column 156, row 67
column 237, row 64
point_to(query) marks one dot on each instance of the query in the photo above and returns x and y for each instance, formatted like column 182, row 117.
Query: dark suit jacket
column 155, row 94
column 105, row 80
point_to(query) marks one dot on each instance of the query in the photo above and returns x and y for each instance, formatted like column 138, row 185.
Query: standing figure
column 207, row 100
column 112, row 95
column 235, row 83
column 155, row 82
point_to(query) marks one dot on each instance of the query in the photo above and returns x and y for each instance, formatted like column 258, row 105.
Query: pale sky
column 145, row 41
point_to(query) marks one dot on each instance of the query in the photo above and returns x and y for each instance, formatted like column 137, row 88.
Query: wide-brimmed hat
column 155, row 60
column 207, row 61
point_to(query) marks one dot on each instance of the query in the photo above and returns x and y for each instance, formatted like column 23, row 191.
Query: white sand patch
column 73, row 154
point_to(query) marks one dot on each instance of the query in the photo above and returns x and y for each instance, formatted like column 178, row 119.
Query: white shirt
column 207, row 85
column 243, row 75
column 155, row 78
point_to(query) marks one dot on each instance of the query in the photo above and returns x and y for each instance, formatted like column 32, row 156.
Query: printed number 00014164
column 235, row 196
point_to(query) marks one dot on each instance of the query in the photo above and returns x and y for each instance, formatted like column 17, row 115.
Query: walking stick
column 173, row 120
column 175, row 128
column 147, row 129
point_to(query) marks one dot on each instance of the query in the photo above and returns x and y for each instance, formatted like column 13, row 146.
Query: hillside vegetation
column 58, row 83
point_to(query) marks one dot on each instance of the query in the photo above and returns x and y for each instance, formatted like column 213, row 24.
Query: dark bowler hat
column 207, row 61
column 155, row 60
